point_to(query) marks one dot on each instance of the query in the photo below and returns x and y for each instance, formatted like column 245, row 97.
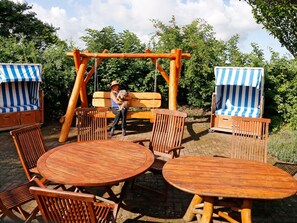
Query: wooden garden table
column 211, row 177
column 95, row 163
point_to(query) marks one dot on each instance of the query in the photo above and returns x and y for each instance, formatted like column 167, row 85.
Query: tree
column 280, row 91
column 18, row 51
column 58, row 75
column 18, row 21
column 123, row 70
column 196, row 83
column 279, row 17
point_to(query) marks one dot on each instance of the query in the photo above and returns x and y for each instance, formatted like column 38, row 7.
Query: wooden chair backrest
column 249, row 138
column 168, row 130
column 30, row 146
column 66, row 206
column 91, row 124
column 138, row 99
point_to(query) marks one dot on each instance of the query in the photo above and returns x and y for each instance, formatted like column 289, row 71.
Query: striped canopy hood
column 239, row 76
column 20, row 73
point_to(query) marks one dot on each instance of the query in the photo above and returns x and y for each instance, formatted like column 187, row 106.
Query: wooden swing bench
column 140, row 104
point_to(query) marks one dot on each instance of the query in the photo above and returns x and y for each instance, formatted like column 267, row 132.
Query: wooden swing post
column 73, row 100
column 81, row 60
column 83, row 89
column 175, row 65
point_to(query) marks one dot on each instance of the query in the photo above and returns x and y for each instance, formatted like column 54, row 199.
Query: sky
column 228, row 17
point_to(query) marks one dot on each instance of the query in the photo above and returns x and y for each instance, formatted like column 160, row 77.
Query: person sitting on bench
column 115, row 108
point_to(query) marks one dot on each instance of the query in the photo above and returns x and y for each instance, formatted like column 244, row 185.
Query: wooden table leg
column 246, row 211
column 207, row 210
column 112, row 196
column 189, row 215
column 123, row 193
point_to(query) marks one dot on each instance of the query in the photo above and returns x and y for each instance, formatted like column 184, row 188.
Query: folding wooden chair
column 249, row 138
column 91, row 124
column 64, row 206
column 166, row 138
column 11, row 203
column 30, row 146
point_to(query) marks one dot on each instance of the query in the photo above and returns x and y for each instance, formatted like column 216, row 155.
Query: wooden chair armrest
column 38, row 182
column 141, row 141
column 175, row 151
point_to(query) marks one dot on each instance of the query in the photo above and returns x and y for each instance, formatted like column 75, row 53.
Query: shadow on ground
column 143, row 205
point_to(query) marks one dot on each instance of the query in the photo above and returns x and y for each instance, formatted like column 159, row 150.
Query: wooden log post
column 80, row 84
column 190, row 213
column 83, row 92
column 175, row 66
column 246, row 211
column 73, row 100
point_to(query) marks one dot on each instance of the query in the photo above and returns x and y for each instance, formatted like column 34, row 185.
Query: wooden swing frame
column 81, row 62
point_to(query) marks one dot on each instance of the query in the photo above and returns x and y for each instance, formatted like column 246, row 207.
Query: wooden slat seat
column 140, row 104
column 11, row 202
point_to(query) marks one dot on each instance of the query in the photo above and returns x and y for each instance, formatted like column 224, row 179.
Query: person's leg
column 116, row 120
column 124, row 118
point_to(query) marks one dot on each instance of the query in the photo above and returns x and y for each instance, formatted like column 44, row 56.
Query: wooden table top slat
column 225, row 177
column 95, row 163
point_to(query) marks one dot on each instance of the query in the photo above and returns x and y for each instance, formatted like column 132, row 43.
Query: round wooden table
column 95, row 163
column 211, row 177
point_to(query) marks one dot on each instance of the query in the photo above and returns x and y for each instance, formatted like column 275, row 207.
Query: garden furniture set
column 105, row 162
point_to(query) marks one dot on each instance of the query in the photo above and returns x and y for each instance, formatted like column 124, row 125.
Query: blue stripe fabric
column 239, row 101
column 19, row 87
column 10, row 100
column 18, row 108
column 244, row 76
column 34, row 93
column 19, row 96
column 20, row 72
column 238, row 91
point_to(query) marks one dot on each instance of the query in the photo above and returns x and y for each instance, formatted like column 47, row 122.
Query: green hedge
column 283, row 145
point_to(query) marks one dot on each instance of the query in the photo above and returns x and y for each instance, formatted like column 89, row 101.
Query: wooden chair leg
column 32, row 215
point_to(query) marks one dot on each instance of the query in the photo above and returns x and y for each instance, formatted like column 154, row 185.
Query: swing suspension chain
column 156, row 73
column 95, row 76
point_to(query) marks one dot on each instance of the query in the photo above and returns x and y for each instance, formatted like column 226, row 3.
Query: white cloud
column 74, row 16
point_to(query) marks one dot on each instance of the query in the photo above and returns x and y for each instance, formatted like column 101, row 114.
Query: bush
column 283, row 145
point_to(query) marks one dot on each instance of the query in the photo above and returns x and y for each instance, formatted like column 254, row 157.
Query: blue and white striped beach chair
column 19, row 88
column 238, row 92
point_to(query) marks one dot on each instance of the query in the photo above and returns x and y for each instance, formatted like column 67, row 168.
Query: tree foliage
column 58, row 79
column 197, row 76
column 196, row 83
column 279, row 17
column 17, row 51
column 281, row 91
column 18, row 21
column 133, row 74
